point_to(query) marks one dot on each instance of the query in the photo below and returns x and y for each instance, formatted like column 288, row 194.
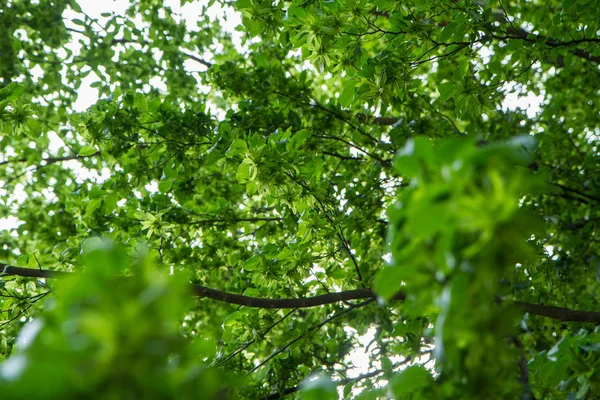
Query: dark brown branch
column 197, row 59
column 16, row 316
column 49, row 160
column 381, row 121
column 30, row 272
column 306, row 302
column 343, row 119
column 219, row 295
column 385, row 120
column 378, row 13
column 341, row 157
column 438, row 112
column 559, row 313
column 335, row 114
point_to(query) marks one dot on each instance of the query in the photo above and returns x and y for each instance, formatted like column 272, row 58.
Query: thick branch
column 357, row 294
column 558, row 313
column 226, row 297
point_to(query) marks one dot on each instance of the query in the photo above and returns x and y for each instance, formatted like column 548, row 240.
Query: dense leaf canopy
column 244, row 207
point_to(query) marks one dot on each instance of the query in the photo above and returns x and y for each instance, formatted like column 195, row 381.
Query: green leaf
column 139, row 101
column 298, row 139
column 165, row 186
column 242, row 4
column 446, row 90
column 93, row 205
column 110, row 203
column 413, row 379
column 170, row 171
column 7, row 91
column 347, row 95
column 252, row 263
column 96, row 192
column 318, row 388
column 448, row 31
column 243, row 172
column 238, row 148
column 33, row 129
column 87, row 150
column 416, row 154
column 233, row 319
column 75, row 6
column 389, row 281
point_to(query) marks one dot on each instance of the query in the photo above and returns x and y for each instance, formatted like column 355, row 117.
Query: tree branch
column 522, row 34
column 579, row 192
column 235, row 220
column 559, row 313
column 514, row 32
column 114, row 41
column 306, row 302
column 381, row 121
column 384, row 163
column 197, row 59
column 50, row 160
column 341, row 157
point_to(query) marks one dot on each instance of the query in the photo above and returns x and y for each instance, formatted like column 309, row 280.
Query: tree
column 355, row 167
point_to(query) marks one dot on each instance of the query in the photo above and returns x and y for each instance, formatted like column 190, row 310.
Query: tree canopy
column 233, row 217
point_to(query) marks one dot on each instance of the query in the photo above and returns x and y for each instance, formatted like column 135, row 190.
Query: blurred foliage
column 457, row 230
column 291, row 157
column 112, row 337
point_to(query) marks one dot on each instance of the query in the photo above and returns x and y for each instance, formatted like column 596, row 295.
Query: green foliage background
column 344, row 134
